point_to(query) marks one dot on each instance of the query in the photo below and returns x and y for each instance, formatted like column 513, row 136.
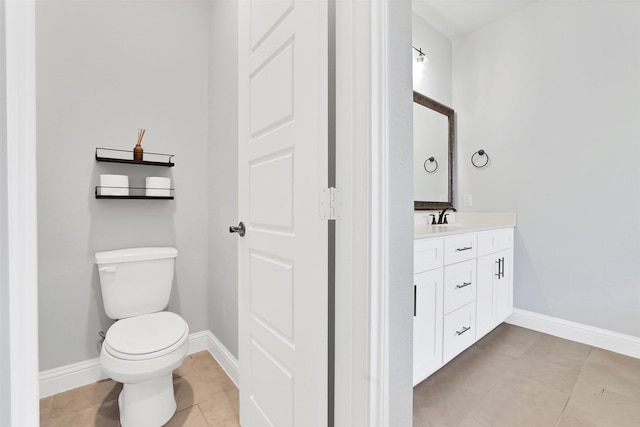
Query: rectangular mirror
column 433, row 154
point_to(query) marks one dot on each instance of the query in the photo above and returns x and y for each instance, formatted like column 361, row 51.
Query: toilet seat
column 146, row 336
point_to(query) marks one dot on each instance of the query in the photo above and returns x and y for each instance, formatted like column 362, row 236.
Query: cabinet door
column 494, row 296
column 427, row 324
column 503, row 287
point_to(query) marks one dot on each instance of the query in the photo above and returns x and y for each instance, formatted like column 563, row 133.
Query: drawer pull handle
column 464, row 285
column 463, row 330
column 466, row 248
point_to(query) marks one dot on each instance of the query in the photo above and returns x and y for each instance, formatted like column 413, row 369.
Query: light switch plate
column 467, row 200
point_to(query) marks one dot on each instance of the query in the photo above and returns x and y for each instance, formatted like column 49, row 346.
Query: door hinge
column 330, row 204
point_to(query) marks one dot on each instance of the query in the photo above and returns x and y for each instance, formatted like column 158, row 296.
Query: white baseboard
column 601, row 338
column 67, row 377
column 199, row 341
column 224, row 358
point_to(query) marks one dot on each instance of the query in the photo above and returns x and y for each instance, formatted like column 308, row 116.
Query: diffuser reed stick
column 137, row 150
column 140, row 135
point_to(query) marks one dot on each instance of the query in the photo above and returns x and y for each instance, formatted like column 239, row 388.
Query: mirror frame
column 421, row 205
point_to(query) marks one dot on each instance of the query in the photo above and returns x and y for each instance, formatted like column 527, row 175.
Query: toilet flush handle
column 108, row 269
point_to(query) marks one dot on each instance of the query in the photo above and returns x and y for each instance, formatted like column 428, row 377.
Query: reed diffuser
column 137, row 150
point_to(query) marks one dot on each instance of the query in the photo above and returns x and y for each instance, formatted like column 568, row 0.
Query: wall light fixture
column 421, row 55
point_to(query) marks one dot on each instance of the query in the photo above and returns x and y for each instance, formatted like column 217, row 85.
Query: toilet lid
column 139, row 337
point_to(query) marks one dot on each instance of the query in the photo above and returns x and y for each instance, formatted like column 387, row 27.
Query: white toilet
column 146, row 344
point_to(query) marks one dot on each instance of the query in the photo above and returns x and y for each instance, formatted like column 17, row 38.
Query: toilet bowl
column 141, row 352
column 146, row 344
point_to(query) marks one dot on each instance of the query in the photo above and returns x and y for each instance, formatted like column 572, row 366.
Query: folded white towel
column 114, row 185
column 157, row 186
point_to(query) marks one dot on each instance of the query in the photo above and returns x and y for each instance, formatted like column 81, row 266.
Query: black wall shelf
column 135, row 193
column 135, row 197
column 111, row 155
column 126, row 156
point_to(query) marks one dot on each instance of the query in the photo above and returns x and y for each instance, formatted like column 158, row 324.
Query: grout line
column 574, row 386
column 202, row 414
column 564, row 408
column 586, row 359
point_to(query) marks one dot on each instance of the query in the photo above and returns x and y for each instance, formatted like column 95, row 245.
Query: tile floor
column 515, row 377
column 204, row 393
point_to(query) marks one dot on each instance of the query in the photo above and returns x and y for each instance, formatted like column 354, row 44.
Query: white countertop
column 461, row 222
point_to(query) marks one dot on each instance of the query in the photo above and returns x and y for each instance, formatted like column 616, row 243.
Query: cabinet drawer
column 459, row 285
column 494, row 241
column 427, row 254
column 459, row 331
column 459, row 248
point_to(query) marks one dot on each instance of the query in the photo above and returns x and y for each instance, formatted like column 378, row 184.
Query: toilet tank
column 135, row 281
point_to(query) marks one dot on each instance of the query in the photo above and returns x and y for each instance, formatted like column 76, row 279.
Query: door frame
column 373, row 76
column 374, row 234
column 19, row 395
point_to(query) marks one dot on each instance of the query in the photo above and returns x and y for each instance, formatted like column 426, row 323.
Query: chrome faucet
column 442, row 218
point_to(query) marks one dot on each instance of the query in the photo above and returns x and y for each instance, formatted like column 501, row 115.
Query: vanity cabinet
column 463, row 288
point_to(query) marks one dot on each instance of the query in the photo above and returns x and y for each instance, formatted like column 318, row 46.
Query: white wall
column 223, row 173
column 434, row 77
column 552, row 93
column 104, row 70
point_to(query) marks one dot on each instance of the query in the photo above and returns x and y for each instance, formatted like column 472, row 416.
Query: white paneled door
column 282, row 59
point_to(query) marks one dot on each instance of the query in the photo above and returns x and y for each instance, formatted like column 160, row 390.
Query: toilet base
column 147, row 404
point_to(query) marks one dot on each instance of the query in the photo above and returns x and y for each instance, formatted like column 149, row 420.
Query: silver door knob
column 239, row 229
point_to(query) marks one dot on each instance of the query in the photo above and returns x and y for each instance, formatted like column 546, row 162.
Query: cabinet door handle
column 415, row 293
column 463, row 330
column 500, row 263
column 464, row 285
column 466, row 248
